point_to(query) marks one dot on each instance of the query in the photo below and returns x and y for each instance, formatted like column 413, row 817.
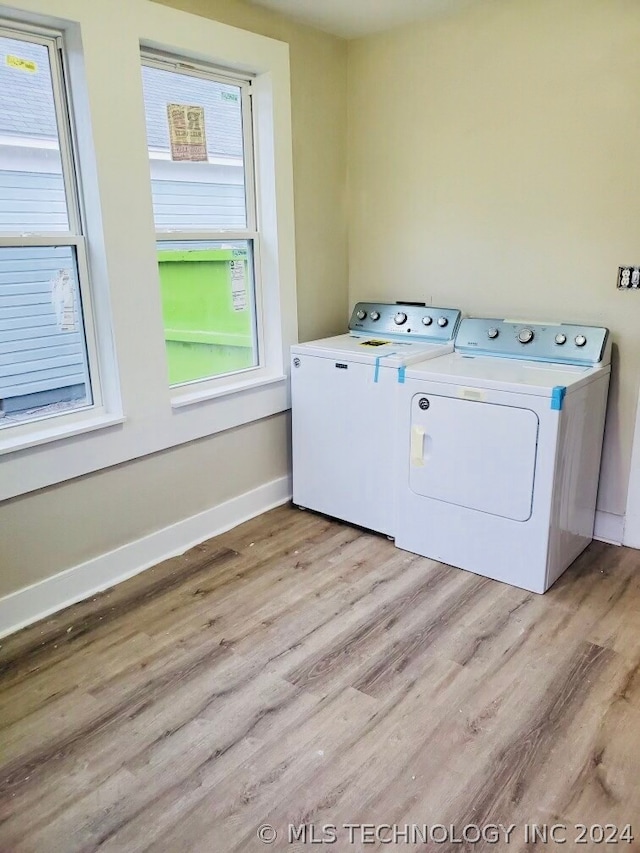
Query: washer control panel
column 564, row 343
column 405, row 320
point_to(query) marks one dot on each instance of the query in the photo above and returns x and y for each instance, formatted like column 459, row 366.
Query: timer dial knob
column 492, row 333
column 427, row 321
column 375, row 315
column 525, row 336
column 361, row 314
column 580, row 340
column 442, row 322
column 561, row 339
column 400, row 318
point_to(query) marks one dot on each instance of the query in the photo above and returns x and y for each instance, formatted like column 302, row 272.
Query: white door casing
column 632, row 521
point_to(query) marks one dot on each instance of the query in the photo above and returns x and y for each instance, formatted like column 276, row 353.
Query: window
column 209, row 250
column 201, row 158
column 47, row 355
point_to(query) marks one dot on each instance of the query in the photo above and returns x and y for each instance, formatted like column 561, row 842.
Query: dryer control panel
column 561, row 343
column 405, row 320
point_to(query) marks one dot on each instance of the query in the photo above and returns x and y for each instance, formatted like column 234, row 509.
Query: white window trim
column 121, row 237
column 186, row 393
column 49, row 429
column 19, row 434
column 195, row 396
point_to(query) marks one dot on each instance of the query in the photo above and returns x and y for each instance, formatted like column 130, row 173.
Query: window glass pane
column 194, row 131
column 208, row 306
column 43, row 354
column 32, row 194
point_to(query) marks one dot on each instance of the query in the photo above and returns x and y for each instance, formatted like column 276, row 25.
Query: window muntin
column 47, row 347
column 201, row 161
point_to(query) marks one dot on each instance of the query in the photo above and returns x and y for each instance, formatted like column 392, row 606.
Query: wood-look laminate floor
column 297, row 670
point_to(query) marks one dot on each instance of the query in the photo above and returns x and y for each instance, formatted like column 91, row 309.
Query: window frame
column 73, row 238
column 121, row 249
column 197, row 389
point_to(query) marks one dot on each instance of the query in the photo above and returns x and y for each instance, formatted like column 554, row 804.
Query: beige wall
column 494, row 165
column 51, row 530
column 46, row 532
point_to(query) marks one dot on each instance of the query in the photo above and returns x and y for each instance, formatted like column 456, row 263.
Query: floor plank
column 297, row 670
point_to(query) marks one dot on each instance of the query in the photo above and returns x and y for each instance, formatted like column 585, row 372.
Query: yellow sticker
column 22, row 64
column 373, row 343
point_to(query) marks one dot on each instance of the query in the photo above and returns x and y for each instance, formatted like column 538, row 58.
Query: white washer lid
column 504, row 374
column 367, row 349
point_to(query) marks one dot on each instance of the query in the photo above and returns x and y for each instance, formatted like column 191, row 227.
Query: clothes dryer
column 500, row 449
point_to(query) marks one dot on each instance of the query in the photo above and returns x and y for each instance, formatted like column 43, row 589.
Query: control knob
column 361, row 314
column 427, row 321
column 493, row 333
column 442, row 322
column 375, row 315
column 580, row 340
column 561, row 339
column 525, row 336
column 400, row 318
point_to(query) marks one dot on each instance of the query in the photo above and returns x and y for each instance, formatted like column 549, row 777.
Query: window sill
column 192, row 398
column 48, row 434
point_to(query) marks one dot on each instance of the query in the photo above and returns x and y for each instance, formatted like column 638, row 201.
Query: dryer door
column 474, row 454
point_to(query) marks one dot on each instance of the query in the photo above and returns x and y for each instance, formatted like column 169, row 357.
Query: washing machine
column 344, row 408
column 500, row 449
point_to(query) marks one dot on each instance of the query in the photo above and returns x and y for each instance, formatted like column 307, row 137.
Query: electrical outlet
column 628, row 278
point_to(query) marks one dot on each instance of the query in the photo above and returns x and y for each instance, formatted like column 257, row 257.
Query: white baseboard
column 28, row 605
column 609, row 528
column 41, row 599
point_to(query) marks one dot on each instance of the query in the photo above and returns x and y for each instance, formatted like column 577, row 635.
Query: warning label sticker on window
column 63, row 299
column 238, row 272
column 187, row 133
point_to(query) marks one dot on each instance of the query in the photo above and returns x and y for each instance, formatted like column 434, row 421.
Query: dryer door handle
column 417, row 446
